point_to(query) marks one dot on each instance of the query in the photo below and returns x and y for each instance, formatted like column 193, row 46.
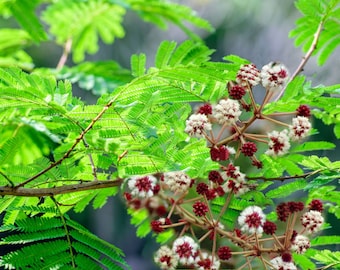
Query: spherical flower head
column 227, row 111
column 219, row 153
column 206, row 262
column 197, row 125
column 300, row 128
column 234, row 172
column 237, row 186
column 236, row 92
column 156, row 226
column 215, row 177
column 278, row 144
column 269, row 227
column 282, row 211
column 252, row 220
column 303, row 110
column 300, row 244
column 224, row 253
column 278, row 264
column 205, row 109
column 274, row 76
column 202, row 188
column 142, row 186
column 316, row 205
column 166, row 259
column 312, row 221
column 295, row 206
column 178, row 182
column 200, row 209
column 186, row 249
column 248, row 149
column 248, row 74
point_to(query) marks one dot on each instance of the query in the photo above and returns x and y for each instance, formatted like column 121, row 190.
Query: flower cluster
column 225, row 126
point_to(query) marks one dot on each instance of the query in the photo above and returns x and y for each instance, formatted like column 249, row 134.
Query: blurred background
column 253, row 29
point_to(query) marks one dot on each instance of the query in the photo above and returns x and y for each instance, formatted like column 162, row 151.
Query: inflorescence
column 169, row 196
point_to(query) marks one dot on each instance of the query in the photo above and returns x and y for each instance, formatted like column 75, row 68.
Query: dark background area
column 253, row 29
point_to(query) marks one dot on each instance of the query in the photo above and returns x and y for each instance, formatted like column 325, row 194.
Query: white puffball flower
column 227, row 111
column 197, row 124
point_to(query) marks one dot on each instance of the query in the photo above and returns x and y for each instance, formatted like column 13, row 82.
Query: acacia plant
column 180, row 142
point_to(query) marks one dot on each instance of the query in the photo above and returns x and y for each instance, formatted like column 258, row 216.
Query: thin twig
column 66, row 52
column 305, row 58
column 67, row 154
column 282, row 178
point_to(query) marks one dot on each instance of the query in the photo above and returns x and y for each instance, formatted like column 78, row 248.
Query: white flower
column 278, row 143
column 197, row 124
column 252, row 219
column 248, row 74
column 279, row 264
column 227, row 111
column 185, row 249
column 206, row 260
column 178, row 182
column 300, row 244
column 312, row 221
column 142, row 186
column 300, row 128
column 274, row 76
column 237, row 183
column 166, row 258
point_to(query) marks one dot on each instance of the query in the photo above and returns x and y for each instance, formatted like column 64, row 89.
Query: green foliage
column 60, row 242
column 51, row 140
column 324, row 14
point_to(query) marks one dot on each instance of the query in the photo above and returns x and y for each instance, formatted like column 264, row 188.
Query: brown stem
column 66, row 52
column 68, row 153
column 305, row 58
column 52, row 191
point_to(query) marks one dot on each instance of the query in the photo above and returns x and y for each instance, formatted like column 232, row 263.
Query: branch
column 67, row 154
column 41, row 192
column 305, row 58
column 283, row 178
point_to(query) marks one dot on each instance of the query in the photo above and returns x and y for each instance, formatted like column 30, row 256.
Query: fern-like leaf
column 53, row 239
column 316, row 12
column 24, row 12
column 82, row 22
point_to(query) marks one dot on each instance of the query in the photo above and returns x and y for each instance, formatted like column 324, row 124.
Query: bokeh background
column 253, row 29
